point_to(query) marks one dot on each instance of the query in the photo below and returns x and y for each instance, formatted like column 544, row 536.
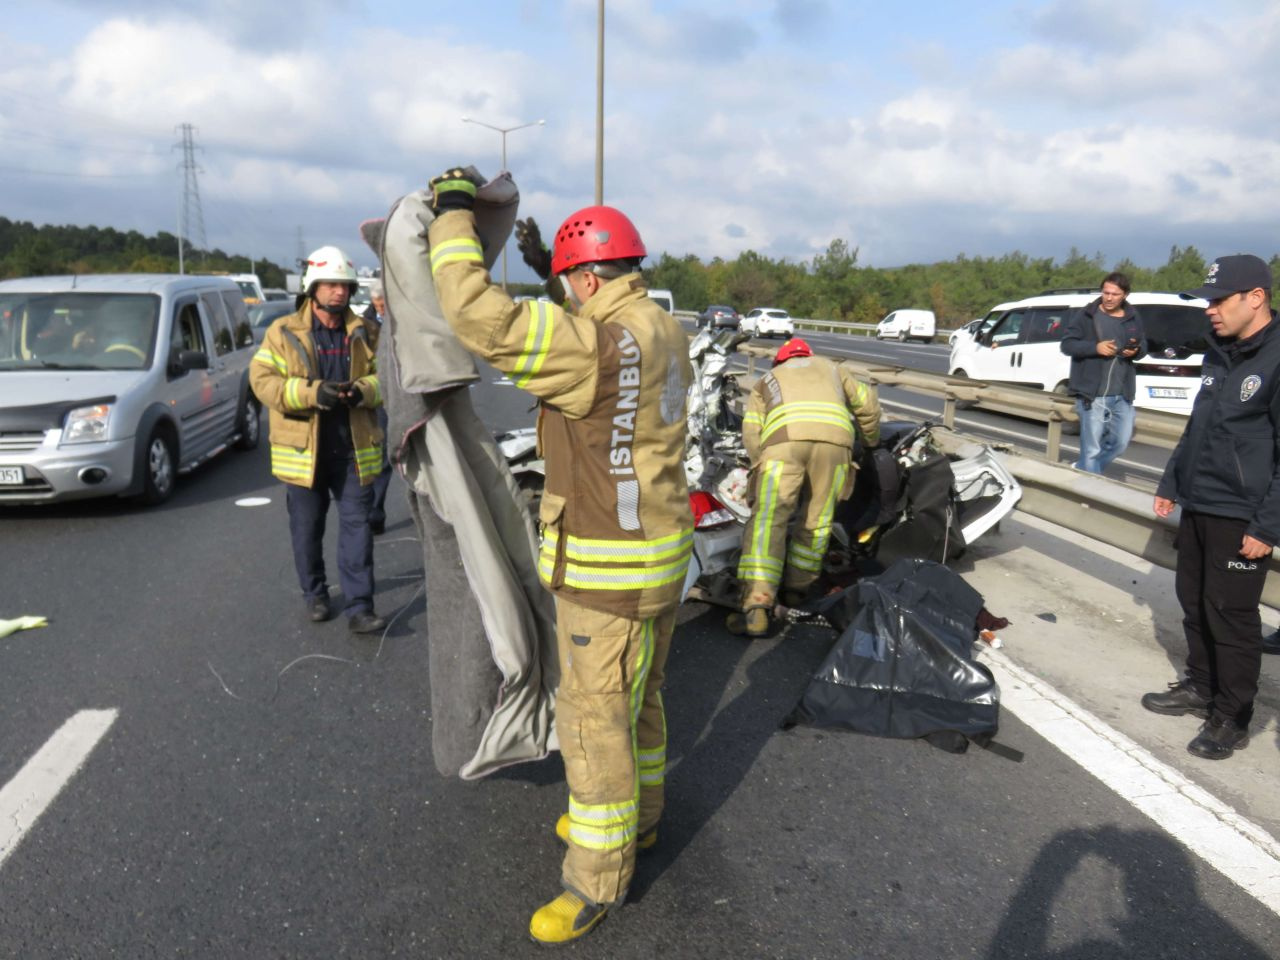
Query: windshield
column 262, row 314
column 248, row 290
column 77, row 331
column 1174, row 331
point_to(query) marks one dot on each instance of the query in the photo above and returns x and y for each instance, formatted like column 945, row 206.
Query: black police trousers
column 1219, row 591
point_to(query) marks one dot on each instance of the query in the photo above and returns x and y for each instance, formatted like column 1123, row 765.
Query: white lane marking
column 253, row 501
column 1238, row 848
column 30, row 792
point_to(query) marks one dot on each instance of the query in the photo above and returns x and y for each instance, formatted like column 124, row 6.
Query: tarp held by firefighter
column 490, row 624
column 903, row 664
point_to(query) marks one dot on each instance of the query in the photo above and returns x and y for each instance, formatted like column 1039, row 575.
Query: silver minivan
column 115, row 384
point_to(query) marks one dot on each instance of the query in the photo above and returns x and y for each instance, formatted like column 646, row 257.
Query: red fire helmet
column 594, row 234
column 795, row 347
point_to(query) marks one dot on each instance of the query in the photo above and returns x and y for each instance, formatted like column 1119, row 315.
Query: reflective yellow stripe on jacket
column 290, row 463
column 451, row 251
column 536, row 343
column 832, row 414
column 271, row 359
column 599, row 564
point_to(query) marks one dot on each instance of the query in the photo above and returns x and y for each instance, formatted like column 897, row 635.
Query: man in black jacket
column 1225, row 473
column 1103, row 340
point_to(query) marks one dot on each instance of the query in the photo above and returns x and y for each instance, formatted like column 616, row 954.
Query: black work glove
column 354, row 396
column 452, row 190
column 534, row 251
column 327, row 395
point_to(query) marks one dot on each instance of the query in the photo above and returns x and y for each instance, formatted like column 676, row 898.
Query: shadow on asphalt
column 1156, row 901
column 713, row 747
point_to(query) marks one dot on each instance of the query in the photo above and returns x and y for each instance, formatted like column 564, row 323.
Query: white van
column 908, row 325
column 115, row 384
column 664, row 299
column 1023, row 346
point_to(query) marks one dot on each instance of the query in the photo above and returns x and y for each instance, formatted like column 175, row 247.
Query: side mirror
column 180, row 361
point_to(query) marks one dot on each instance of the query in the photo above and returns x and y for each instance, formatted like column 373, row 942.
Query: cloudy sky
column 914, row 132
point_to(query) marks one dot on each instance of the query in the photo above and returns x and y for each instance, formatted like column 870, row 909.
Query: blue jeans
column 1105, row 430
column 308, row 507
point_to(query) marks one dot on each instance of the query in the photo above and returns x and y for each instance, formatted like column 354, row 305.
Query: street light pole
column 504, row 131
column 600, row 104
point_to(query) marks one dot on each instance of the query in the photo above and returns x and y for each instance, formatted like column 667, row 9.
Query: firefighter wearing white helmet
column 317, row 374
column 617, row 531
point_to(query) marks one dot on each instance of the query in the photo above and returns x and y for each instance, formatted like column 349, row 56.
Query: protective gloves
column 534, row 251
column 452, row 190
column 327, row 396
column 354, row 396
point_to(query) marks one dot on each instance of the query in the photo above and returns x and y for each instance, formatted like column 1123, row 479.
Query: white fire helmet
column 328, row 264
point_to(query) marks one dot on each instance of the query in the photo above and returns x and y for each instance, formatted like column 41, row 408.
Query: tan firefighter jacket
column 808, row 398
column 285, row 377
column 617, row 530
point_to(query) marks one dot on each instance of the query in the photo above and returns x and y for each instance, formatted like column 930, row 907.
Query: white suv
column 1022, row 345
column 769, row 322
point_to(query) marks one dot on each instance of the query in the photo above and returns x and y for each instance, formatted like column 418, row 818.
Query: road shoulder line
column 1235, row 846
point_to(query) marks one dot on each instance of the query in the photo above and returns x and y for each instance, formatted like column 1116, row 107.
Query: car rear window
column 1173, row 330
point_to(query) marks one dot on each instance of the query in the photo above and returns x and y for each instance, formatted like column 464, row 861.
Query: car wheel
column 250, row 425
column 902, row 336
column 159, row 464
column 1069, row 428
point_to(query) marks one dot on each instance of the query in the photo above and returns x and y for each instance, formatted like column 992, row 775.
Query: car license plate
column 10, row 476
column 1167, row 393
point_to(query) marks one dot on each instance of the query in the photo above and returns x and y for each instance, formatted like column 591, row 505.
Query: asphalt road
column 273, row 812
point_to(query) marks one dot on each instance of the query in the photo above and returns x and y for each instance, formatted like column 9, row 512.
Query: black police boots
column 1218, row 739
column 1181, row 698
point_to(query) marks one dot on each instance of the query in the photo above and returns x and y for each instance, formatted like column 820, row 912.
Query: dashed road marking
column 1238, row 848
column 24, row 798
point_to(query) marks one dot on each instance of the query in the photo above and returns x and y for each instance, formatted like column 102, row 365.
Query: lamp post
column 504, row 131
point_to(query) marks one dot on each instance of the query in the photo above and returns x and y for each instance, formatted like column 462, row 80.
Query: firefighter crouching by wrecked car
column 617, row 532
column 799, row 435
column 317, row 373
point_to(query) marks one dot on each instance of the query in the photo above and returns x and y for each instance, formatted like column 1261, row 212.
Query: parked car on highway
column 975, row 327
column 1022, row 346
column 663, row 298
column 719, row 315
column 908, row 325
column 115, row 384
column 769, row 322
column 262, row 315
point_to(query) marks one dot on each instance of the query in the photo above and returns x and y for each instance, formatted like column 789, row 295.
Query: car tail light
column 707, row 510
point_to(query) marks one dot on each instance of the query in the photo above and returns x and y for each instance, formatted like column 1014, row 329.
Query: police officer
column 1225, row 473
column 799, row 434
column 317, row 374
column 617, row 530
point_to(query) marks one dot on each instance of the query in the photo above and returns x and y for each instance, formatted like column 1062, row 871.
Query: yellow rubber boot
column 564, row 919
column 645, row 842
column 753, row 623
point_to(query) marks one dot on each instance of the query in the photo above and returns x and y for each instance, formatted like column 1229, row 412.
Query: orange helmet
column 795, row 347
column 594, row 234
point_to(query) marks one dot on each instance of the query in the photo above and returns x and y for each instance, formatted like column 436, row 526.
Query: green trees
column 28, row 251
column 833, row 286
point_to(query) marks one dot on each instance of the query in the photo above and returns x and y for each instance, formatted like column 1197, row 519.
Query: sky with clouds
column 914, row 132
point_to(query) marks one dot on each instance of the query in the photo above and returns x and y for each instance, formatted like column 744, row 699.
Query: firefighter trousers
column 613, row 738
column 804, row 479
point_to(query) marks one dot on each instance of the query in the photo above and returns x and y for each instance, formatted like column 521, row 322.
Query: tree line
column 830, row 286
column 833, row 287
column 30, row 251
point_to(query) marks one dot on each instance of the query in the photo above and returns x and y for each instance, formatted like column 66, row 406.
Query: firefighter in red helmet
column 617, row 533
column 798, row 429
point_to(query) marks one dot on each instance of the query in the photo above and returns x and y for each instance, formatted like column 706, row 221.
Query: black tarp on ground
column 903, row 664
